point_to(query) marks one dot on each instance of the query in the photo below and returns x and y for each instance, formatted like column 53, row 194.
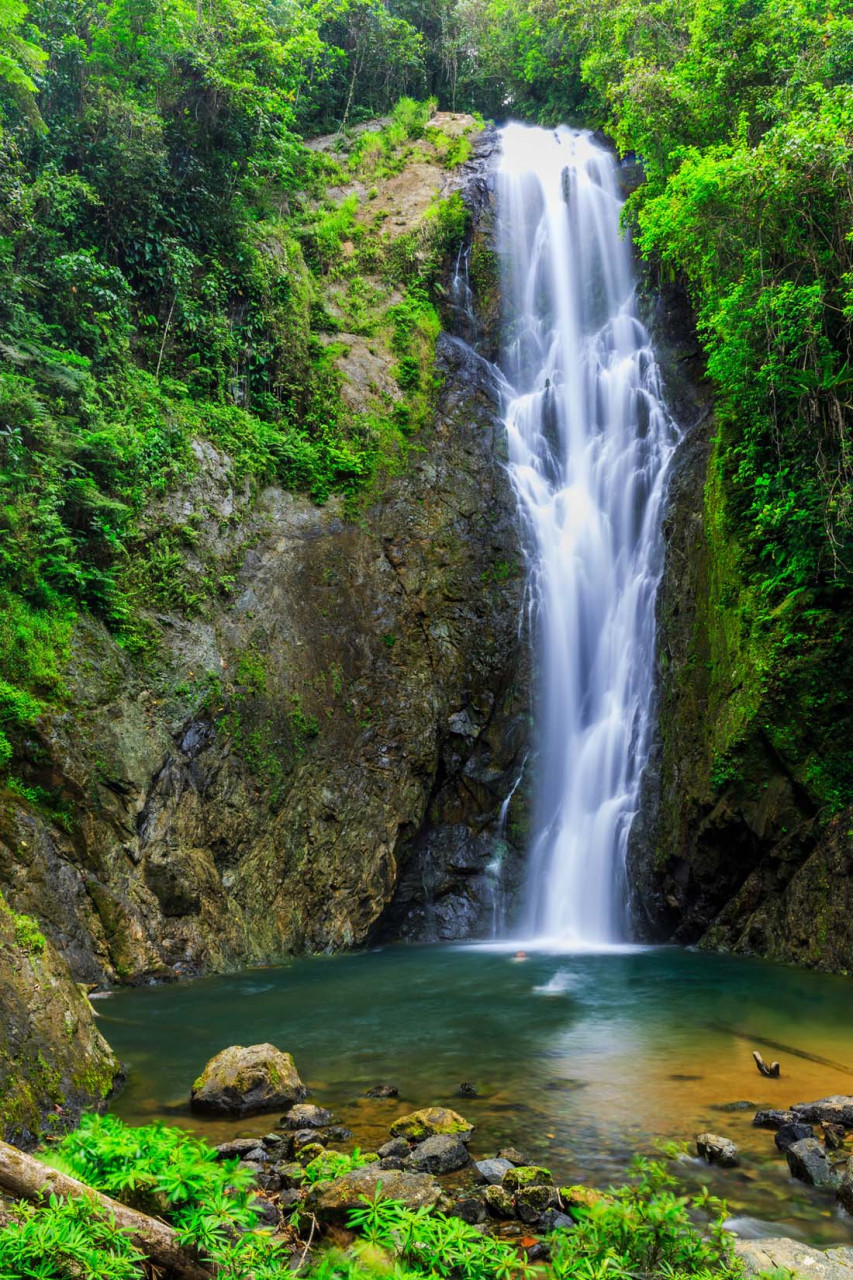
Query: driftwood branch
column 27, row 1179
column 772, row 1071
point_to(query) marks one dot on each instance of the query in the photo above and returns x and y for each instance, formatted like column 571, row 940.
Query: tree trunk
column 28, row 1179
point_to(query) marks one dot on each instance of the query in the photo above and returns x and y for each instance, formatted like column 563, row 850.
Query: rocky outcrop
column 319, row 752
column 53, row 1060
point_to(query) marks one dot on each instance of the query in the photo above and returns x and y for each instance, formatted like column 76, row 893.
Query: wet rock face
column 53, row 1060
column 319, row 756
column 728, row 849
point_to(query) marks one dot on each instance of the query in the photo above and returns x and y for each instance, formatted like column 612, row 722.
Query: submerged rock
column 383, row 1091
column 771, row 1119
column 716, row 1150
column 242, row 1081
column 306, row 1116
column 332, row 1201
column 419, row 1125
column 808, row 1162
column 442, row 1153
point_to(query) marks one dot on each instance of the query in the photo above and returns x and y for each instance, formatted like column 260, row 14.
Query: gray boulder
column 492, row 1171
column 716, row 1150
column 808, row 1162
column 442, row 1153
column 242, row 1081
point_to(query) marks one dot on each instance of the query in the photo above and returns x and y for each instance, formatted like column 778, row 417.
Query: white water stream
column 589, row 443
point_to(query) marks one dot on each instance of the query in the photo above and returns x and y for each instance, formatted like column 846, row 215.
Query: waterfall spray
column 589, row 442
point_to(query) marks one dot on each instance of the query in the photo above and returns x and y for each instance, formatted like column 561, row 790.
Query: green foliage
column 28, row 936
column 644, row 1229
column 647, row 1229
column 433, row 1244
column 65, row 1240
column 334, row 1164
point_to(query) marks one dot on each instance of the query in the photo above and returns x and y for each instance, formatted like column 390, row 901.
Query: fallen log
column 772, row 1072
column 28, row 1179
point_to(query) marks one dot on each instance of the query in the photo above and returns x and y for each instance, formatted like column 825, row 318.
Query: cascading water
column 589, row 442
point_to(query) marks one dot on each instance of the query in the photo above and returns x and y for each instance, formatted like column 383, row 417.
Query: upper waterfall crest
column 589, row 442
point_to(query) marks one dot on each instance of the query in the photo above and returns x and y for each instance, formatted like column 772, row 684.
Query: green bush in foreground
column 646, row 1230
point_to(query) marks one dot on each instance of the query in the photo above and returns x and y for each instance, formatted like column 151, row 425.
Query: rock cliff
column 318, row 755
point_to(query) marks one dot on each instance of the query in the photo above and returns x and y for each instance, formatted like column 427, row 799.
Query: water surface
column 581, row 1060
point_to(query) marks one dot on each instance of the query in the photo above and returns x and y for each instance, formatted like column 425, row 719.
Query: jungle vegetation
column 156, row 251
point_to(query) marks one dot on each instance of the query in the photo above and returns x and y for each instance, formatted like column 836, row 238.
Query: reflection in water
column 630, row 1048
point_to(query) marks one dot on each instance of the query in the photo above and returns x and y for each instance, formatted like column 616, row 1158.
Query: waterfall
column 589, row 441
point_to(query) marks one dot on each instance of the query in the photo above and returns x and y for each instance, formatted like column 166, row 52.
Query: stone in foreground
column 420, row 1125
column 781, row 1254
column 807, row 1161
column 332, row 1201
column 716, row 1150
column 241, row 1081
column 442, row 1153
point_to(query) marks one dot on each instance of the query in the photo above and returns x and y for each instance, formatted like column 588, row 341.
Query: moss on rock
column 53, row 1060
column 419, row 1125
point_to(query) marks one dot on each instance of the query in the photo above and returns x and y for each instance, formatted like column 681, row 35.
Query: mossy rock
column 498, row 1202
column 311, row 1151
column 532, row 1201
column 528, row 1175
column 242, row 1081
column 581, row 1197
column 420, row 1125
column 333, row 1201
column 53, row 1060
